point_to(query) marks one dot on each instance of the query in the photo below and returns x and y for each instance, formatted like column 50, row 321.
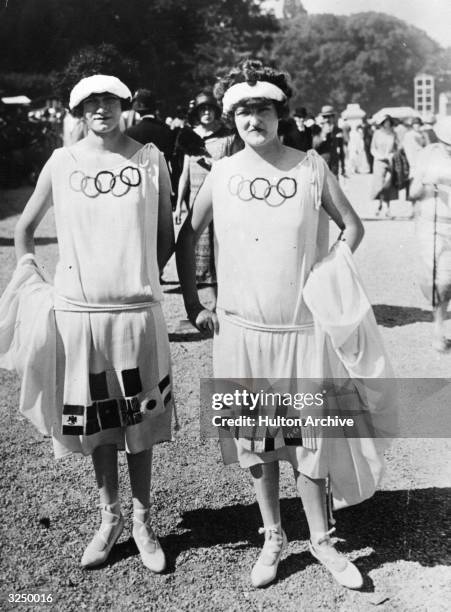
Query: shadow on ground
column 394, row 316
column 172, row 290
column 396, row 524
column 388, row 219
column 188, row 336
column 9, row 242
column 177, row 289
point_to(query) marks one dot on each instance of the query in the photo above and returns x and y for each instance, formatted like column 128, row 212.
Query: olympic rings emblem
column 130, row 176
column 260, row 188
column 100, row 183
column 105, row 181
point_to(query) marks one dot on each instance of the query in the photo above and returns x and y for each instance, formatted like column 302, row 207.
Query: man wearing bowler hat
column 151, row 129
column 293, row 132
column 328, row 140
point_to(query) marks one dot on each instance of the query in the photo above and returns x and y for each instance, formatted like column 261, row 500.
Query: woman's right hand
column 207, row 321
column 178, row 215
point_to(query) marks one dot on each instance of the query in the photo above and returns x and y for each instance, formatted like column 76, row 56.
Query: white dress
column 113, row 363
column 433, row 223
column 266, row 248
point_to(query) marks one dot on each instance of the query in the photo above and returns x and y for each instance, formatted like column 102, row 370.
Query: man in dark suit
column 294, row 133
column 151, row 129
column 328, row 140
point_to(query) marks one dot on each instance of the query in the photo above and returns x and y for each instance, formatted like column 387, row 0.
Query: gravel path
column 204, row 513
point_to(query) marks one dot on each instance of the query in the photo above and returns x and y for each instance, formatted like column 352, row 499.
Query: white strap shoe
column 104, row 539
column 149, row 547
column 265, row 570
column 344, row 572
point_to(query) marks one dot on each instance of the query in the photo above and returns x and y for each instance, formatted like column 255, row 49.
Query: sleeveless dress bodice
column 106, row 224
column 266, row 247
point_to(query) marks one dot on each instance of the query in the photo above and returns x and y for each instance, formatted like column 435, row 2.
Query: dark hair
column 381, row 121
column 143, row 100
column 250, row 71
column 77, row 111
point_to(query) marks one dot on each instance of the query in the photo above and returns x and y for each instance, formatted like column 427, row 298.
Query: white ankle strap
column 271, row 529
column 110, row 512
column 325, row 536
column 140, row 515
column 109, row 507
column 141, row 510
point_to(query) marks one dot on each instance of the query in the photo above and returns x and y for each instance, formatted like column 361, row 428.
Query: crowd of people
column 385, row 147
column 269, row 184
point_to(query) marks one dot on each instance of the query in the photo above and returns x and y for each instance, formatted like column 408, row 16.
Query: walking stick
column 435, row 296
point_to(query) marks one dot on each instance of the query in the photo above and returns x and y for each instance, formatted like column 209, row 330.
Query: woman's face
column 387, row 125
column 102, row 112
column 256, row 123
column 207, row 114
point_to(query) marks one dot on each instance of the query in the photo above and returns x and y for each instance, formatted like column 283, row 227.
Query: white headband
column 244, row 91
column 97, row 84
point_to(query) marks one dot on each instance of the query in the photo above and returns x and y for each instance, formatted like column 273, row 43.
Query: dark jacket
column 292, row 137
column 331, row 147
column 152, row 130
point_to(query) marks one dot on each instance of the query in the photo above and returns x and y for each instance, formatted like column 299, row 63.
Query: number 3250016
column 30, row 598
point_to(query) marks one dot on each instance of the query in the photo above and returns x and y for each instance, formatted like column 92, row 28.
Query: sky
column 433, row 16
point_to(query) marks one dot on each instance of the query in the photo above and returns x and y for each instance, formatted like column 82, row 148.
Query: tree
column 293, row 9
column 439, row 65
column 104, row 59
column 178, row 46
column 242, row 30
column 369, row 58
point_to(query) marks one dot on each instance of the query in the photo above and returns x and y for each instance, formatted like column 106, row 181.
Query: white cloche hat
column 97, row 84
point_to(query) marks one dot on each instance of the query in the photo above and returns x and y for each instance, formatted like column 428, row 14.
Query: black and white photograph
column 225, row 277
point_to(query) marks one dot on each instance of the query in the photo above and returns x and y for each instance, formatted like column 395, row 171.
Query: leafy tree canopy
column 369, row 58
column 176, row 47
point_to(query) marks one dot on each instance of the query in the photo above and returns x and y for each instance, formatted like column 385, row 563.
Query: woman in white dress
column 270, row 206
column 111, row 198
column 431, row 186
column 383, row 146
column 356, row 151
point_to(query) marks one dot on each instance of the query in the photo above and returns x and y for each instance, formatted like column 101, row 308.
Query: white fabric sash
column 68, row 305
column 263, row 327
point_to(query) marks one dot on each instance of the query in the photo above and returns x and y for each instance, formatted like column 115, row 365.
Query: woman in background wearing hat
column 111, row 198
column 383, row 146
column 212, row 143
column 431, row 187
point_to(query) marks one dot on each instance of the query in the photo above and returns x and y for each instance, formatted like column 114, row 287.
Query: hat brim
column 98, row 84
column 444, row 138
column 383, row 119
